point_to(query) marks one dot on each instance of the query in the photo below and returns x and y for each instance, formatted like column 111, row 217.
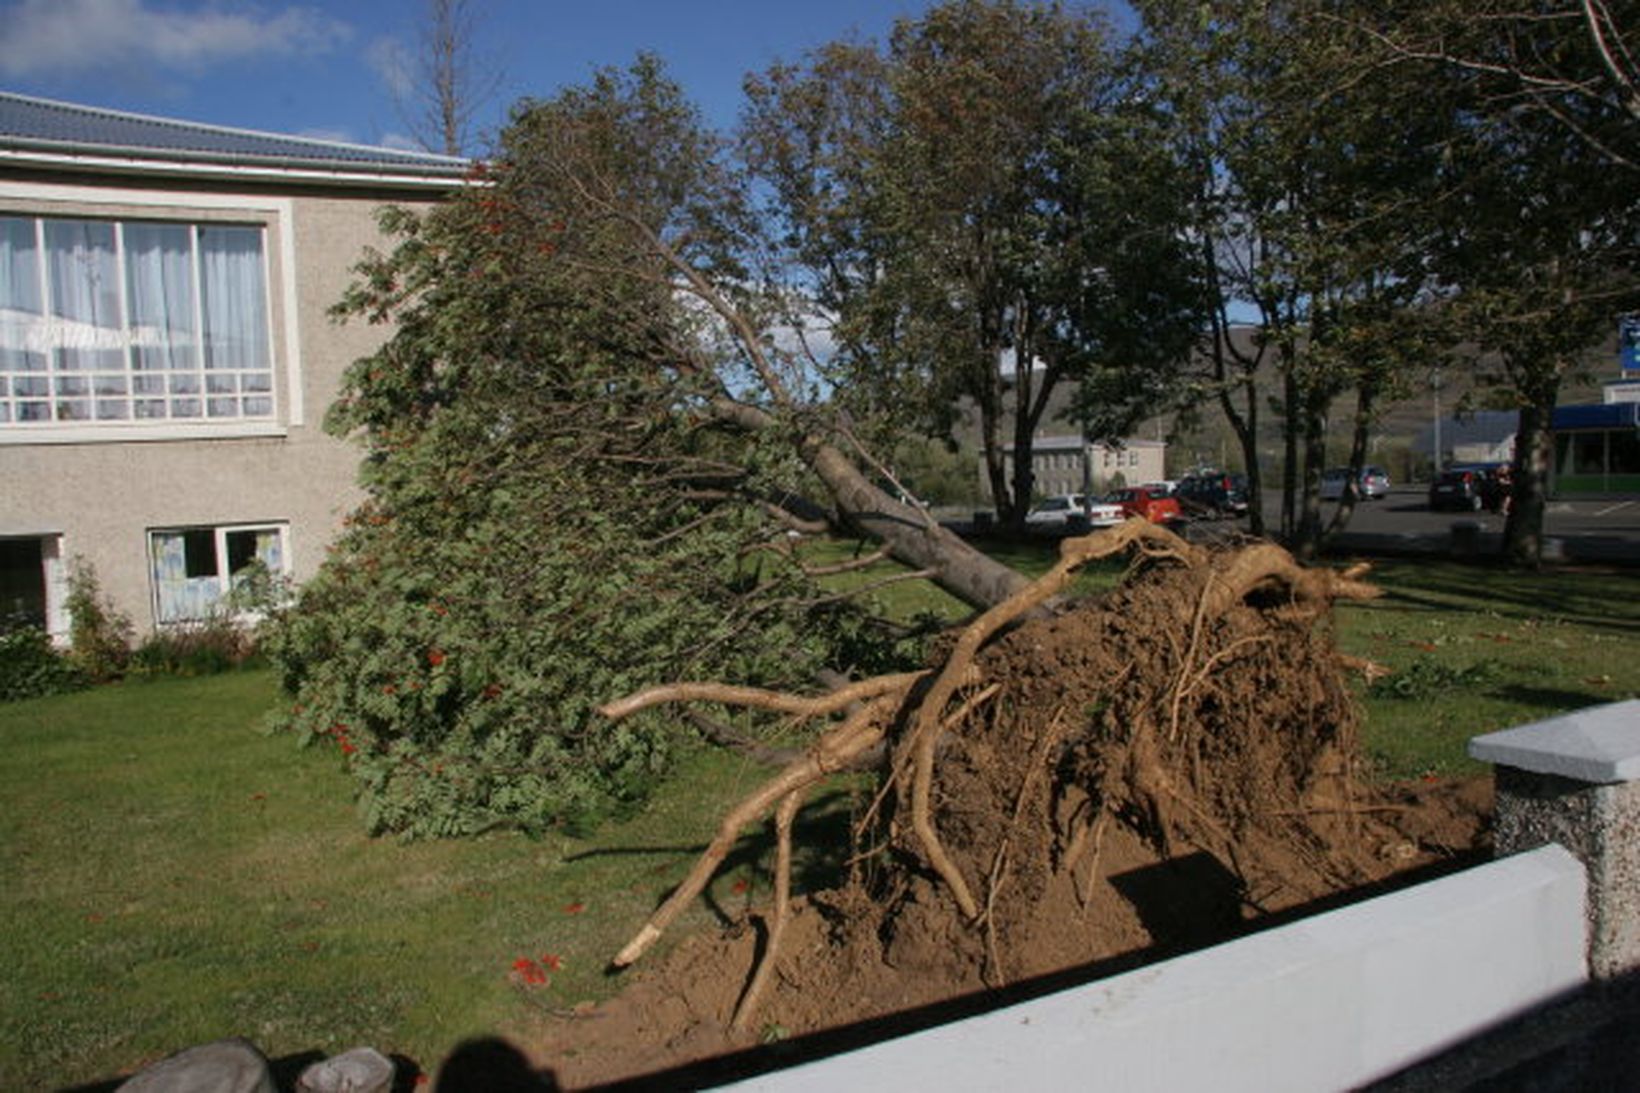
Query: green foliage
column 1425, row 679
column 99, row 635
column 31, row 667
column 982, row 189
column 936, row 472
column 553, row 520
column 218, row 644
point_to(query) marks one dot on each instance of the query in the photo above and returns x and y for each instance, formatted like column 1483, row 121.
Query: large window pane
column 21, row 309
column 160, row 286
column 233, row 297
column 106, row 322
column 83, row 279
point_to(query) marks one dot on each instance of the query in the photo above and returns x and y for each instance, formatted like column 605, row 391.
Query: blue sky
column 315, row 68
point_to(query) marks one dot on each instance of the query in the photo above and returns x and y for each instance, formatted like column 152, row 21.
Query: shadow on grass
column 821, row 843
column 1552, row 699
column 1605, row 600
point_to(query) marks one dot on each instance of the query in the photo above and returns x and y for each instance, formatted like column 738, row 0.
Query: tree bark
column 1523, row 531
column 911, row 535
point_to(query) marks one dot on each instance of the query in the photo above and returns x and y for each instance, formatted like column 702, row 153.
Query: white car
column 1371, row 486
column 1057, row 513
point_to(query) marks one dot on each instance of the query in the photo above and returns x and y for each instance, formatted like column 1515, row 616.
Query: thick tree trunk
column 1365, row 402
column 1523, row 531
column 911, row 535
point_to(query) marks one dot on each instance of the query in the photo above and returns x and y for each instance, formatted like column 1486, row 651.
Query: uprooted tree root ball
column 1060, row 766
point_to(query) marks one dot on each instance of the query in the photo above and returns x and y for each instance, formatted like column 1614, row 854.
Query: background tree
column 975, row 213
column 1572, row 64
column 1307, row 223
column 1537, row 242
column 443, row 84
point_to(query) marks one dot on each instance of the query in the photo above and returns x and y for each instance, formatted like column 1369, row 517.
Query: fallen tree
column 1201, row 706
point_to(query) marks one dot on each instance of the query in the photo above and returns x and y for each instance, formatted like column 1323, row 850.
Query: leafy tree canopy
column 555, row 517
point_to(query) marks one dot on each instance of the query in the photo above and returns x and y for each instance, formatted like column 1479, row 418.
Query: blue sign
column 1628, row 345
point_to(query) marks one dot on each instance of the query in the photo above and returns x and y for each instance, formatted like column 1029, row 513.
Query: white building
column 166, row 356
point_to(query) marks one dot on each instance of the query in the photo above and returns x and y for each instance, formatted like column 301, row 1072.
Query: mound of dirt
column 1071, row 791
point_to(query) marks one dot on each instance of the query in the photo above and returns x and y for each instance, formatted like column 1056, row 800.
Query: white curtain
column 159, row 286
column 233, row 295
column 180, row 596
column 83, row 273
column 19, row 319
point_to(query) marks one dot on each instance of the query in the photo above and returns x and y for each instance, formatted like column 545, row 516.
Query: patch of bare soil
column 1069, row 792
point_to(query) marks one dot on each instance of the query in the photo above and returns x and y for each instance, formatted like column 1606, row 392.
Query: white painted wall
column 1329, row 1002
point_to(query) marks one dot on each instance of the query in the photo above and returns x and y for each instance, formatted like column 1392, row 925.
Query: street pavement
column 1606, row 530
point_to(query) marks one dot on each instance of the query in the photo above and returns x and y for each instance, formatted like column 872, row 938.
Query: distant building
column 1486, row 436
column 1597, row 446
column 1070, row 464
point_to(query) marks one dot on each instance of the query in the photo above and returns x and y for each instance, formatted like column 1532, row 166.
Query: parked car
column 1161, row 489
column 1372, row 484
column 1462, row 488
column 1139, row 501
column 1213, row 494
column 1067, row 511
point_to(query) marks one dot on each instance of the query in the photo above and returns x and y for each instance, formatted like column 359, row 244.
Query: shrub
column 99, row 635
column 30, row 667
column 229, row 638
column 214, row 645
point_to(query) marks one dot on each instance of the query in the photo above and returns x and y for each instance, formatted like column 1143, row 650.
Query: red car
column 1155, row 507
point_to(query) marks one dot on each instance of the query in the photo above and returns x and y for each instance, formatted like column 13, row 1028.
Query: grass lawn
column 1476, row 649
column 176, row 876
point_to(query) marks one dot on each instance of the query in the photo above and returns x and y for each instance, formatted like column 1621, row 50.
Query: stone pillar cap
column 1599, row 745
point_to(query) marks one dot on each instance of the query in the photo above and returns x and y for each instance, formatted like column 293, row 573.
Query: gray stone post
column 1575, row 780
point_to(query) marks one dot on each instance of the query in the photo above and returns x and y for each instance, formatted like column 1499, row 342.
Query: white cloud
column 59, row 38
column 391, row 61
column 400, row 142
column 341, row 136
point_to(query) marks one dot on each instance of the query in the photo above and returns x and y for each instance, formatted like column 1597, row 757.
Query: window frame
column 163, row 615
column 274, row 215
column 107, row 384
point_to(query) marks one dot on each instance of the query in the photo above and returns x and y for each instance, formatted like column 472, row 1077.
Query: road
column 1606, row 529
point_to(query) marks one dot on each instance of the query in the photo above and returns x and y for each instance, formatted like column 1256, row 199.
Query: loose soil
column 1114, row 781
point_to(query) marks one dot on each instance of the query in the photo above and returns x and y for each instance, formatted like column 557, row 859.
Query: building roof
column 46, row 133
column 1480, row 427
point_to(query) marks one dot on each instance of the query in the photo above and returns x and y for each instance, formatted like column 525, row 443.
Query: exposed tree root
column 1144, row 746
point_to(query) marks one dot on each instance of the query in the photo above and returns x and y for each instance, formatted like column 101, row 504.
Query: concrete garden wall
column 1328, row 1002
column 1343, row 998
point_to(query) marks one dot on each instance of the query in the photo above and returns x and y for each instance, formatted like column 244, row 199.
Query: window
column 1588, row 453
column 193, row 568
column 33, row 583
column 106, row 321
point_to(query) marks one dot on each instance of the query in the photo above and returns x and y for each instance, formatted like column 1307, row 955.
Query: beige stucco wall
column 103, row 496
column 1060, row 470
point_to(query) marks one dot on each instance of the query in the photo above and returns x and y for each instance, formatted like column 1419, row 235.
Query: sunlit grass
column 176, row 877
column 1475, row 649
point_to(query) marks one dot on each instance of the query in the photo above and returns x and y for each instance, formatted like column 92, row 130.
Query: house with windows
column 1073, row 464
column 166, row 352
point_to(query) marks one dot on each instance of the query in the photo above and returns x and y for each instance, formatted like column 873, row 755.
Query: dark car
column 1461, row 488
column 1214, row 494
